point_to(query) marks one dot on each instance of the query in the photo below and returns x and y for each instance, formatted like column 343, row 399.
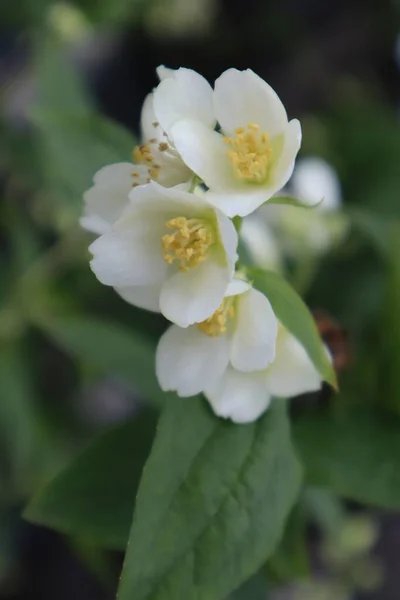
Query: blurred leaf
column 59, row 87
column 74, row 147
column 18, row 428
column 74, row 140
column 254, row 589
column 118, row 12
column 109, row 347
column 290, row 561
column 356, row 455
column 295, row 316
column 94, row 496
column 375, row 227
column 292, row 201
column 390, row 331
column 212, row 503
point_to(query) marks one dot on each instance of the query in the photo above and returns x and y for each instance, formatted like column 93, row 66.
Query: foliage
column 226, row 498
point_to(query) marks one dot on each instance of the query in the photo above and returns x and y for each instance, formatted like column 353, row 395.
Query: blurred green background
column 73, row 76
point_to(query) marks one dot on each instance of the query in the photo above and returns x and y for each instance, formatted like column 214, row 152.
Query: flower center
column 217, row 324
column 143, row 155
column 250, row 153
column 188, row 243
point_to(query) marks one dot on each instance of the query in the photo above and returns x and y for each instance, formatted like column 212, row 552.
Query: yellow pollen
column 154, row 172
column 218, row 322
column 188, row 243
column 249, row 153
column 142, row 153
column 163, row 146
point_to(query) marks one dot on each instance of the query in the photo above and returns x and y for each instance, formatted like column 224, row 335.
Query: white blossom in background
column 314, row 180
column 253, row 155
column 260, row 241
column 277, row 231
column 181, row 94
column 239, row 358
column 317, row 229
column 170, row 251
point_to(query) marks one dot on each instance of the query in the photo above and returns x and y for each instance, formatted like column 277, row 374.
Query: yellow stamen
column 188, row 243
column 218, row 322
column 250, row 153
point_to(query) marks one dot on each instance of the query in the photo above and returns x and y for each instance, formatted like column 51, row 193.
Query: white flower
column 109, row 196
column 170, row 251
column 181, row 94
column 243, row 397
column 241, row 332
column 260, row 241
column 239, row 358
column 254, row 157
column 314, row 180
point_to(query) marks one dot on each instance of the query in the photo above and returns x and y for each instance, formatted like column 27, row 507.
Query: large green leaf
column 212, row 503
column 356, row 454
column 295, row 316
column 254, row 589
column 290, row 561
column 94, row 496
column 110, row 348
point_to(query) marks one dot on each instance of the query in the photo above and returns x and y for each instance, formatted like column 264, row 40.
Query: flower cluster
column 168, row 242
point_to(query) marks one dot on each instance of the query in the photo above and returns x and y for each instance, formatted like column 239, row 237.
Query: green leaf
column 254, row 589
column 374, row 227
column 292, row 201
column 59, row 86
column 18, row 427
column 74, row 140
column 110, row 348
column 389, row 382
column 75, row 146
column 290, row 561
column 295, row 316
column 93, row 497
column 356, row 455
column 212, row 503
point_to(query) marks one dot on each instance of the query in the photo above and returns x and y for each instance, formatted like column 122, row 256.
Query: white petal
column 244, row 200
column 94, row 224
column 130, row 254
column 261, row 242
column 240, row 203
column 205, row 152
column 158, row 200
column 236, row 287
column 191, row 297
column 254, row 338
column 164, row 72
column 184, row 95
column 242, row 97
column 148, row 120
column 187, row 358
column 242, row 397
column 143, row 296
column 105, row 201
column 229, row 239
column 292, row 373
column 314, row 179
column 283, row 168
